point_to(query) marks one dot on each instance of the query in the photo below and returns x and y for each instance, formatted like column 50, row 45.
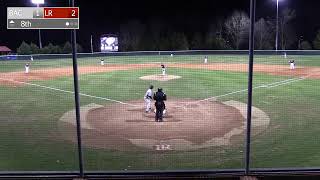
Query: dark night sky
column 100, row 17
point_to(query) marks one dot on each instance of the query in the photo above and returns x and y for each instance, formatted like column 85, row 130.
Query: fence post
column 250, row 78
column 76, row 95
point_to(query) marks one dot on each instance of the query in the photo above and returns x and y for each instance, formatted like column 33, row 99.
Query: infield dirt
column 8, row 78
column 188, row 125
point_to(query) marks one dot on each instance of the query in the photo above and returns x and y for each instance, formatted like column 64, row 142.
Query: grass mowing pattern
column 29, row 116
column 10, row 66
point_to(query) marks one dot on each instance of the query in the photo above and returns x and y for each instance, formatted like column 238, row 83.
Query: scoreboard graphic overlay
column 42, row 18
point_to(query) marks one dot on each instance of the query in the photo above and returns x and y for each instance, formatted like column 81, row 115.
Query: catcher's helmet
column 160, row 89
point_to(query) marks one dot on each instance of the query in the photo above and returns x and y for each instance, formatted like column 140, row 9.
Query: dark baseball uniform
column 159, row 97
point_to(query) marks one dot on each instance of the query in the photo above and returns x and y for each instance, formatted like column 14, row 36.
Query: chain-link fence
column 167, row 113
column 204, row 125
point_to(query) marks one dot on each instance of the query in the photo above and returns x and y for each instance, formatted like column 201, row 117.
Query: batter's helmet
column 151, row 86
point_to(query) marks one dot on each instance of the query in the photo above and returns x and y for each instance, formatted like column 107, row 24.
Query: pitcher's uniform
column 163, row 70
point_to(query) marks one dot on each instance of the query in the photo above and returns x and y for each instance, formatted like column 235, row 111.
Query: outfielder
column 163, row 70
column 27, row 66
column 102, row 62
column 206, row 59
column 31, row 58
column 292, row 64
column 160, row 97
column 148, row 98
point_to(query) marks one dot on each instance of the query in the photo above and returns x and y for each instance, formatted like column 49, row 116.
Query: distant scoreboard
column 109, row 42
column 42, row 18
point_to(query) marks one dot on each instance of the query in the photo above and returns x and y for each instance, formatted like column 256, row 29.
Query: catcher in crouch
column 160, row 97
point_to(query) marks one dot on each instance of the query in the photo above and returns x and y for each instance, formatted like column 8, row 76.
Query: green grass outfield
column 30, row 139
column 310, row 60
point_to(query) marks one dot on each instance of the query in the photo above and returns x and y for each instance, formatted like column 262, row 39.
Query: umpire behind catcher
column 159, row 97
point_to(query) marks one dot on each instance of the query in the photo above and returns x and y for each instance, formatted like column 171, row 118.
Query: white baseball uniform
column 163, row 70
column 102, row 62
column 148, row 99
column 292, row 66
column 27, row 66
column 206, row 60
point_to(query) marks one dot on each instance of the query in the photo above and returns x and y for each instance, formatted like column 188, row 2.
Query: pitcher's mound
column 160, row 77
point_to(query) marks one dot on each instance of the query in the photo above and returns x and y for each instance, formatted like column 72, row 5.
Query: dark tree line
column 26, row 49
column 229, row 33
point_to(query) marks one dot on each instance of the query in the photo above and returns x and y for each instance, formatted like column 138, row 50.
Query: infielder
column 102, row 62
column 27, row 66
column 163, row 70
column 206, row 59
column 148, row 98
column 160, row 97
column 292, row 64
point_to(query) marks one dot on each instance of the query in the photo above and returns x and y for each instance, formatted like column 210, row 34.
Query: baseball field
column 205, row 123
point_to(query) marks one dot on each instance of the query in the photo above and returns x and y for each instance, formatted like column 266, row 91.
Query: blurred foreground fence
column 290, row 98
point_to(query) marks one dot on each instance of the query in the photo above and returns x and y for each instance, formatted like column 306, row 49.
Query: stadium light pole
column 299, row 43
column 38, row 2
column 277, row 26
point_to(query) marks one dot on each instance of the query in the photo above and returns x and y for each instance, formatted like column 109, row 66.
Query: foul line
column 71, row 92
column 271, row 85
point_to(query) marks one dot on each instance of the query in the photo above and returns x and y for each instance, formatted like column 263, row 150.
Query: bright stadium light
column 37, row 1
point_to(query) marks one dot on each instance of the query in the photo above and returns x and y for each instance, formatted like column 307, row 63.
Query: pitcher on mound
column 163, row 68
